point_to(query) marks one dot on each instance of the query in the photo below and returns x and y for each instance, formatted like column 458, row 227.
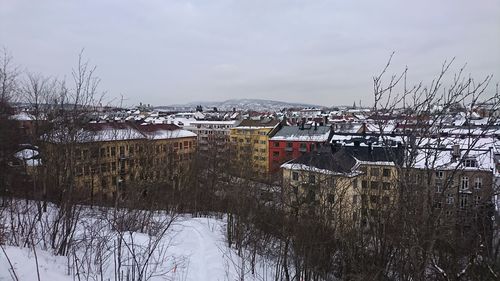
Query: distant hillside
column 239, row 104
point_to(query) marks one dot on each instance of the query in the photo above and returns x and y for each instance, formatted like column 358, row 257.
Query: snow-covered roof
column 438, row 153
column 295, row 133
column 22, row 116
column 121, row 131
column 167, row 134
column 26, row 154
column 310, row 168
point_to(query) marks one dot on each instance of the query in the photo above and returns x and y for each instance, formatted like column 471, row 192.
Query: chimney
column 455, row 152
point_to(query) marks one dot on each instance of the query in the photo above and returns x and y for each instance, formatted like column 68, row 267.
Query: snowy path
column 199, row 240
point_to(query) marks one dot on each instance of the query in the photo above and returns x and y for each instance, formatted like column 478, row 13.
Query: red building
column 292, row 141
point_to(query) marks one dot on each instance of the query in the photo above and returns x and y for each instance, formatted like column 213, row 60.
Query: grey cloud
column 326, row 52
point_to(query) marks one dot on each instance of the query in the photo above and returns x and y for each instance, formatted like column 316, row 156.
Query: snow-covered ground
column 191, row 249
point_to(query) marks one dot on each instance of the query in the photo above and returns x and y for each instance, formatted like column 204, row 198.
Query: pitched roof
column 259, row 123
column 324, row 161
column 295, row 133
column 376, row 154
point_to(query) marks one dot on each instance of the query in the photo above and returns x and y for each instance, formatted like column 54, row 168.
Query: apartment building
column 349, row 183
column 291, row 142
column 212, row 133
column 250, row 140
column 105, row 158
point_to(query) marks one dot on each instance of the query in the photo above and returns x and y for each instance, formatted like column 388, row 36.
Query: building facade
column 106, row 159
column 291, row 142
column 250, row 141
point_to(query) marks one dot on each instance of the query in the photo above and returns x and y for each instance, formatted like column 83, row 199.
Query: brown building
column 109, row 157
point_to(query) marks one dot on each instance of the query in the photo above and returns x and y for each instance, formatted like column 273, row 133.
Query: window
column 355, row 199
column 79, row 170
column 374, row 184
column 331, row 182
column 438, row 204
column 364, row 184
column 331, row 198
column 276, row 144
column 478, row 183
column 386, row 185
column 276, row 154
column 311, row 196
column 439, row 188
column 477, row 200
column 113, row 151
column 78, row 154
column 450, row 199
column 463, row 201
column 122, row 151
column 104, row 167
column 470, row 163
column 295, row 176
column 312, row 179
column 102, row 152
column 289, row 144
column 303, row 147
column 386, row 200
column 364, row 170
column 374, row 199
column 464, row 183
column 386, row 172
column 439, row 174
column 375, row 172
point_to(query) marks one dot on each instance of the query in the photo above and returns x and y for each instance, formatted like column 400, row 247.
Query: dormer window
column 471, row 163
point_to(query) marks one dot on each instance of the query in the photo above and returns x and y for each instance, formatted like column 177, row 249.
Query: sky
column 312, row 51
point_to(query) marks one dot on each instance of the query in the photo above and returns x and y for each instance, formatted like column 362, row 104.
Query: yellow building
column 346, row 185
column 111, row 157
column 250, row 142
column 321, row 184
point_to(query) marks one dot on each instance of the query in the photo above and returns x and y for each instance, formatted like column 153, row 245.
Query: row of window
column 112, row 151
column 375, row 171
column 205, row 132
column 375, row 185
column 251, row 132
column 374, row 199
column 464, row 184
column 214, row 126
column 463, row 201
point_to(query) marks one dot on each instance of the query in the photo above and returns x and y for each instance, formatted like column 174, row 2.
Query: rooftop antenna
column 121, row 101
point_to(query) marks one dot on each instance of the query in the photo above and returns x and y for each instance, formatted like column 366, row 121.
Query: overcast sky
column 323, row 52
